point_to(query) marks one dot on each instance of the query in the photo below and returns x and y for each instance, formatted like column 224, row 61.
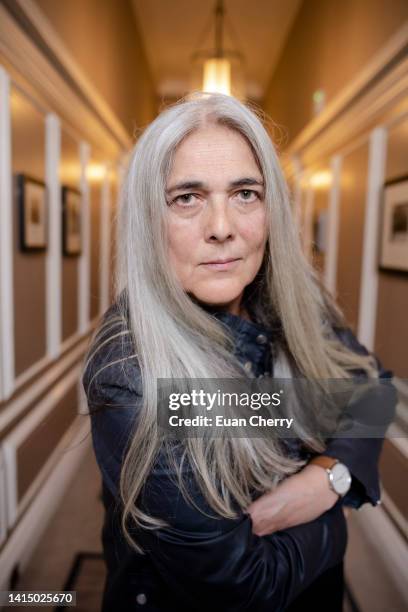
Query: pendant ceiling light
column 219, row 69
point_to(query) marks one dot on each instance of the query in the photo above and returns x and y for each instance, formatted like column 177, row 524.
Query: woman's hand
column 298, row 499
column 346, row 511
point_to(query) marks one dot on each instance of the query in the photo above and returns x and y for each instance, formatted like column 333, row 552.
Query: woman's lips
column 222, row 265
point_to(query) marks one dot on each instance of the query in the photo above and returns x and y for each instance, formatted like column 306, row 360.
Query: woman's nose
column 218, row 223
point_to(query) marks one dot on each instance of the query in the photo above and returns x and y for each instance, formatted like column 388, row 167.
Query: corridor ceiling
column 172, row 30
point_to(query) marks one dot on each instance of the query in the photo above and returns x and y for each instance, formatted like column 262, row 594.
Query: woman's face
column 216, row 216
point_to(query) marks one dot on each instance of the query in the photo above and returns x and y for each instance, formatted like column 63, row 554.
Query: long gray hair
column 173, row 337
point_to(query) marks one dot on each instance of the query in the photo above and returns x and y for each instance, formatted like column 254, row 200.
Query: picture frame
column 32, row 201
column 71, row 221
column 393, row 248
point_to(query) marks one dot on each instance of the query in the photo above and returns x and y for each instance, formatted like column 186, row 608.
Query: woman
column 212, row 283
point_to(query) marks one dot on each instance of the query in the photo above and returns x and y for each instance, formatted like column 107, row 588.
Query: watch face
column 340, row 478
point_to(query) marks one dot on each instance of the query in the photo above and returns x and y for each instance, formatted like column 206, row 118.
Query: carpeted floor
column 86, row 576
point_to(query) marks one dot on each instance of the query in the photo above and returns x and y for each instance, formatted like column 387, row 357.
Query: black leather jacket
column 204, row 563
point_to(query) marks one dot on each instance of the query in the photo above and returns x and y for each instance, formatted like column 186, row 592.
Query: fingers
column 346, row 511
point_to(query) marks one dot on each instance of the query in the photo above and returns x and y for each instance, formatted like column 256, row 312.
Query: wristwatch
column 338, row 473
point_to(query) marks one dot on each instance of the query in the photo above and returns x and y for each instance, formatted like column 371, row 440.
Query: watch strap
column 324, row 461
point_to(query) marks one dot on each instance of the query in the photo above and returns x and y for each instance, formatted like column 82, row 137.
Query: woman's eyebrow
column 246, row 181
column 200, row 185
column 186, row 185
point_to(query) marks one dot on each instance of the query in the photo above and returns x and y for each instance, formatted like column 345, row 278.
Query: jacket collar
column 249, row 331
column 252, row 342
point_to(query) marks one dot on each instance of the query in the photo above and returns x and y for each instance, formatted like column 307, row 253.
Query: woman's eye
column 186, row 199
column 248, row 195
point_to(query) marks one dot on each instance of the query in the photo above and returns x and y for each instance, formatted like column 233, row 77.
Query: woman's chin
column 217, row 297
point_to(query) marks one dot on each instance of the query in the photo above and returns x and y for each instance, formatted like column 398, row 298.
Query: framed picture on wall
column 71, row 221
column 320, row 232
column 394, row 226
column 33, row 218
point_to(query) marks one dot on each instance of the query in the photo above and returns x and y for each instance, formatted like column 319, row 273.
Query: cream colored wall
column 103, row 38
column 392, row 328
column 352, row 200
column 29, row 270
column 330, row 41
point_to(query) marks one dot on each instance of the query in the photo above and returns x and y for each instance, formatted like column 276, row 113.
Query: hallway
column 80, row 81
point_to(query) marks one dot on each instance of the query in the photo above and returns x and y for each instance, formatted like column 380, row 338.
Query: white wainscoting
column 54, row 256
column 86, row 114
column 6, row 245
column 380, row 555
column 55, row 481
column 364, row 112
column 82, row 112
column 18, row 405
column 3, row 497
column 20, row 433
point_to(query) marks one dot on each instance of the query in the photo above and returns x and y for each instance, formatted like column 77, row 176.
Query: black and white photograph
column 394, row 226
column 32, row 204
column 71, row 221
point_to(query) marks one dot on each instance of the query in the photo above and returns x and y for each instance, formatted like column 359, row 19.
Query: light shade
column 217, row 76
